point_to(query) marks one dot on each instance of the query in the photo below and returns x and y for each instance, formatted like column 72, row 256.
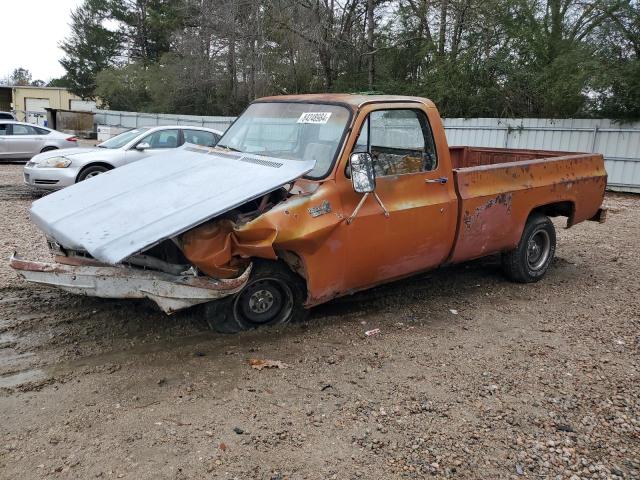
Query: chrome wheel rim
column 92, row 174
column 261, row 301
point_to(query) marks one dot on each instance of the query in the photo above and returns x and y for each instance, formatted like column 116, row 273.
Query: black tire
column 48, row 149
column 531, row 259
column 91, row 171
column 274, row 295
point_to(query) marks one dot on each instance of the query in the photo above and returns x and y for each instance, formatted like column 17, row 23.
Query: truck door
column 417, row 191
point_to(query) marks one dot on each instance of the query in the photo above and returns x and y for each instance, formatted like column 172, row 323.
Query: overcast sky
column 31, row 33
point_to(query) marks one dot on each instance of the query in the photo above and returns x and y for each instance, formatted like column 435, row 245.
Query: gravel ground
column 524, row 381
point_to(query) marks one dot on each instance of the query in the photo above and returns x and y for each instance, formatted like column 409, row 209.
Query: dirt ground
column 470, row 377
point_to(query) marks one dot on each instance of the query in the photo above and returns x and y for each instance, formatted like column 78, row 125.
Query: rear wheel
column 274, row 295
column 531, row 259
column 91, row 171
column 48, row 149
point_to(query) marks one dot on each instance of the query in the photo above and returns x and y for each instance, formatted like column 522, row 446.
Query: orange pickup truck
column 307, row 198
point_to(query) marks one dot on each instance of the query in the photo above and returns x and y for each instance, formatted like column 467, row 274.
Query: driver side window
column 400, row 142
column 19, row 129
column 162, row 139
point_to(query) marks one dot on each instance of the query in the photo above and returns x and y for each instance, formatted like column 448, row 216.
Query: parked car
column 21, row 141
column 307, row 198
column 55, row 170
column 7, row 116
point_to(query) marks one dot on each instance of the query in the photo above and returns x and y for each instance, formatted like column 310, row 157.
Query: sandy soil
column 533, row 381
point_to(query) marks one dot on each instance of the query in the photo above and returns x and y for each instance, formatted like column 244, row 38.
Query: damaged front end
column 170, row 292
column 128, row 233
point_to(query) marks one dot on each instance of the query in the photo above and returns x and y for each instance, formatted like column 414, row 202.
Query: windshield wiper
column 229, row 148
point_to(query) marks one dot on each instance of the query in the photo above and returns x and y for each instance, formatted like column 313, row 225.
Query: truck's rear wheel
column 273, row 295
column 530, row 260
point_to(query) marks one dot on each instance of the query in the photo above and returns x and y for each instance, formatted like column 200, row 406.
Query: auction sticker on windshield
column 314, row 117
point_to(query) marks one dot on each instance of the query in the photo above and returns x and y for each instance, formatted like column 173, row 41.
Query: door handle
column 441, row 180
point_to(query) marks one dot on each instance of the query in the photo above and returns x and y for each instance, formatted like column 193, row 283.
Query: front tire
column 531, row 259
column 91, row 171
column 274, row 295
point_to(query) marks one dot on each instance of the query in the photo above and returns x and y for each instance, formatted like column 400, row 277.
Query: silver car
column 20, row 140
column 54, row 170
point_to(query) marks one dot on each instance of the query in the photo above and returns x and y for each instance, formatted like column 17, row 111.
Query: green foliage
column 146, row 25
column 124, row 88
column 538, row 58
column 90, row 49
column 20, row 76
column 61, row 82
column 617, row 90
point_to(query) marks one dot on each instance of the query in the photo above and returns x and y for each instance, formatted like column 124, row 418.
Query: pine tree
column 90, row 49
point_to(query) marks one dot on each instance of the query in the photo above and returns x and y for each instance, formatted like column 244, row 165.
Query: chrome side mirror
column 142, row 146
column 363, row 176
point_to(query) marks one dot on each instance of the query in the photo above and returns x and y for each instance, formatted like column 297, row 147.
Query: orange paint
column 480, row 210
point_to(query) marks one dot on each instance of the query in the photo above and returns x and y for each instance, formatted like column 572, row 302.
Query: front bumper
column 49, row 178
column 170, row 292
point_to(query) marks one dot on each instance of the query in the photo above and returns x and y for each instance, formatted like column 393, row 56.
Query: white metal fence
column 114, row 118
column 619, row 143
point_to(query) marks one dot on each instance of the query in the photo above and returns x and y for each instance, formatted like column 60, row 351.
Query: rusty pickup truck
column 307, row 198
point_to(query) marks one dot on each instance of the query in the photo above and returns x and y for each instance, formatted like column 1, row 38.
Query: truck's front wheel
column 273, row 295
column 530, row 260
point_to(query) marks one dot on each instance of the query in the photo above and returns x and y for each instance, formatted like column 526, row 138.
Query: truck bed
column 498, row 188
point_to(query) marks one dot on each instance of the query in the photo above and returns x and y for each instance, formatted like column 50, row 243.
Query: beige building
column 29, row 103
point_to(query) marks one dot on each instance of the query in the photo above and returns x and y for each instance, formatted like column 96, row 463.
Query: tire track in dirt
column 18, row 192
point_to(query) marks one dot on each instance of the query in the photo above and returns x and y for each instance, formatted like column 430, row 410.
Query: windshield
column 295, row 131
column 121, row 140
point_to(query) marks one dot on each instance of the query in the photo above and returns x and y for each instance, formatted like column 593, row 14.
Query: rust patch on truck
column 504, row 199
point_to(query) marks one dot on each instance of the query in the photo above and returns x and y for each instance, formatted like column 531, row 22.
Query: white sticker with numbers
column 314, row 117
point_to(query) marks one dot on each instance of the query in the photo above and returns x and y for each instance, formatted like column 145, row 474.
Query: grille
column 46, row 182
column 230, row 156
column 261, row 161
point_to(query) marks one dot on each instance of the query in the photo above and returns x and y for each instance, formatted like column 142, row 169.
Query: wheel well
column 94, row 164
column 557, row 209
column 294, row 262
column 48, row 148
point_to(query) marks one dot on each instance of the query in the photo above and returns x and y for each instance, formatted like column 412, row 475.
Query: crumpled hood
column 129, row 209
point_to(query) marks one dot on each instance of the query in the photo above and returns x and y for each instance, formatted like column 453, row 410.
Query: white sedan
column 21, row 141
column 54, row 170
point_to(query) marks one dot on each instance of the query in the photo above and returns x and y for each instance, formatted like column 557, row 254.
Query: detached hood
column 129, row 209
